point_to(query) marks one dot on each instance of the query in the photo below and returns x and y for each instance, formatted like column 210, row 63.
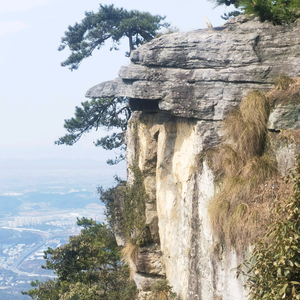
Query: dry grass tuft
column 242, row 165
column 286, row 91
column 245, row 127
column 291, row 136
column 130, row 255
column 283, row 82
column 240, row 220
column 248, row 181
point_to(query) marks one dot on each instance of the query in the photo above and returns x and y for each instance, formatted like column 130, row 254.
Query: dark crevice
column 130, row 81
column 191, row 67
column 193, row 81
column 255, row 47
column 194, row 282
column 147, row 275
column 238, row 82
column 274, row 130
column 144, row 105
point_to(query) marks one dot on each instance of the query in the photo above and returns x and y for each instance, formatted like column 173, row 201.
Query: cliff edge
column 181, row 86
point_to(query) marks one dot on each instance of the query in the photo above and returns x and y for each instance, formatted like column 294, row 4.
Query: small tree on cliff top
column 108, row 23
column 276, row 11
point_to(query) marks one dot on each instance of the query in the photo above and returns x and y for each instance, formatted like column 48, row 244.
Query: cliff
column 181, row 86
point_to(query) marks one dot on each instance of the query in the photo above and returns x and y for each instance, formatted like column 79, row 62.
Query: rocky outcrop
column 182, row 84
column 200, row 74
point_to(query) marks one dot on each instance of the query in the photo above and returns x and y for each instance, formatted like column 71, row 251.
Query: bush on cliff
column 125, row 208
column 88, row 267
column 278, row 12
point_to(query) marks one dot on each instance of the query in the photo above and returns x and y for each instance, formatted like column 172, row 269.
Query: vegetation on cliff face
column 88, row 267
column 161, row 290
column 273, row 269
column 248, row 179
column 107, row 113
column 278, row 12
column 243, row 165
column 125, row 208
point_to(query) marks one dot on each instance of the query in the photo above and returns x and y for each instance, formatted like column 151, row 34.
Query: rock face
column 182, row 84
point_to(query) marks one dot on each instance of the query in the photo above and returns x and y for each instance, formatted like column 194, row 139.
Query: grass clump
column 130, row 256
column 245, row 126
column 286, row 91
column 283, row 82
column 242, row 165
column 291, row 136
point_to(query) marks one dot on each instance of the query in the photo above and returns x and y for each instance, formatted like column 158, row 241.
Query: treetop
column 108, row 23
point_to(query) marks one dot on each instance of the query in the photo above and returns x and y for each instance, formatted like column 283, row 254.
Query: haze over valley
column 40, row 201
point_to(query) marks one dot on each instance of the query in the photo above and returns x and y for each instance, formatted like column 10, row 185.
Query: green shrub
column 134, row 218
column 161, row 290
column 125, row 207
column 278, row 12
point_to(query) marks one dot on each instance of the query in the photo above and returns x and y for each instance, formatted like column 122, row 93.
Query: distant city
column 40, row 202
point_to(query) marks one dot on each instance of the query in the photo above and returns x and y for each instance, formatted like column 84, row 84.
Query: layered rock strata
column 181, row 85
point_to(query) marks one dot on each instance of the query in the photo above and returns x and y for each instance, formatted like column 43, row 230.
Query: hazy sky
column 37, row 94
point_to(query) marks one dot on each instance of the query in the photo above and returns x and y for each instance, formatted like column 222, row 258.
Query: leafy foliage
column 44, row 291
column 161, row 290
column 134, row 218
column 231, row 14
column 108, row 113
column 88, row 267
column 125, row 207
column 108, row 23
column 226, row 2
column 273, row 268
column 276, row 11
column 113, row 198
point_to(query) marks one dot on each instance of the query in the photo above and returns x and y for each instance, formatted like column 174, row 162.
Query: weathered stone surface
column 285, row 117
column 144, row 282
column 200, row 74
column 149, row 261
column 181, row 197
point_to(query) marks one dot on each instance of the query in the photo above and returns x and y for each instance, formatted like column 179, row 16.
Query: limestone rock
column 285, row 117
column 144, row 282
column 149, row 261
column 200, row 74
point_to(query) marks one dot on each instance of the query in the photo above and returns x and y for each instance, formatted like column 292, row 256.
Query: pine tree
column 108, row 23
column 278, row 12
column 108, row 113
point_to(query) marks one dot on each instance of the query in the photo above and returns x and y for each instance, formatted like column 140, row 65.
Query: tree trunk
column 130, row 42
